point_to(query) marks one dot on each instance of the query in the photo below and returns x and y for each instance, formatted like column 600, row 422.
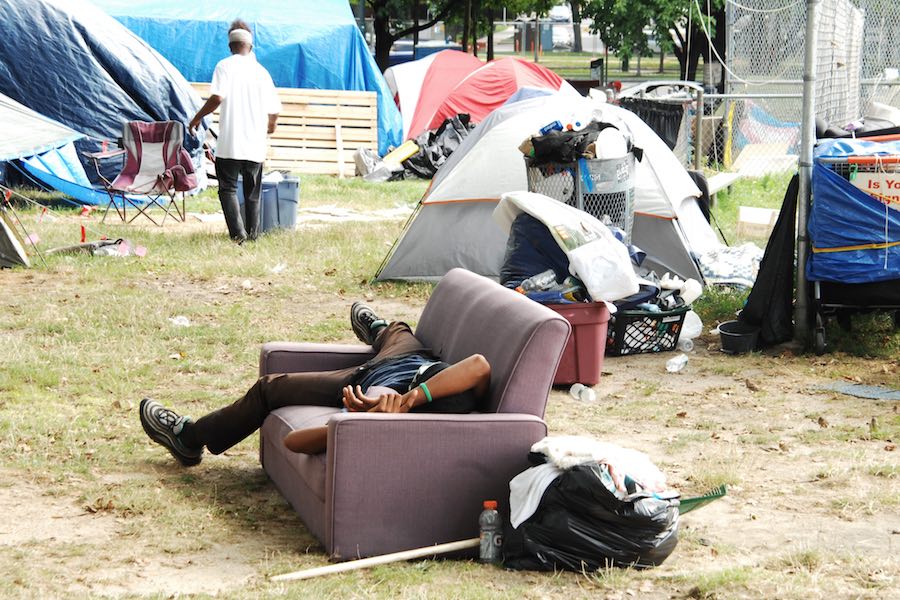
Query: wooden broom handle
column 379, row 560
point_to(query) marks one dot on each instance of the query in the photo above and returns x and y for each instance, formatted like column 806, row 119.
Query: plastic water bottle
column 676, row 363
column 579, row 391
column 685, row 344
column 491, row 533
column 541, row 281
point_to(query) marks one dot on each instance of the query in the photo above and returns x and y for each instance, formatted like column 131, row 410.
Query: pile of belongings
column 436, row 146
column 539, row 266
column 546, row 234
column 587, row 505
column 880, row 119
column 566, row 144
column 421, row 157
column 661, row 294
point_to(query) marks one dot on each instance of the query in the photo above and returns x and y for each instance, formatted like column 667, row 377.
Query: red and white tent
column 488, row 88
column 426, row 82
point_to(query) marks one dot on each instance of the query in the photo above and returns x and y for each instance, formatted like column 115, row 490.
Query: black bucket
column 737, row 337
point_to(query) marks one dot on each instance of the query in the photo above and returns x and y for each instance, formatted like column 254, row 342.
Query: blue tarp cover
column 75, row 64
column 303, row 44
column 855, row 238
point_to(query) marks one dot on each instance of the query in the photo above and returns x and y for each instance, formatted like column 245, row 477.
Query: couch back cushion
column 521, row 339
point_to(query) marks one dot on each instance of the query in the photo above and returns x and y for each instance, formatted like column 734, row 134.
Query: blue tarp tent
column 855, row 235
column 303, row 44
column 75, row 64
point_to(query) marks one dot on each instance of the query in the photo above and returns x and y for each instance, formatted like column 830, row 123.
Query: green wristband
column 425, row 389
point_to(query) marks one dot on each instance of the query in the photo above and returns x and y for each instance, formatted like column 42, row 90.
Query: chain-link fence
column 754, row 128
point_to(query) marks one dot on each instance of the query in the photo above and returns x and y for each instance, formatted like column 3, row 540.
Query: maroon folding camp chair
column 156, row 170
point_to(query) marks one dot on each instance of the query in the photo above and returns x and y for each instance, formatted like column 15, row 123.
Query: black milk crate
column 638, row 331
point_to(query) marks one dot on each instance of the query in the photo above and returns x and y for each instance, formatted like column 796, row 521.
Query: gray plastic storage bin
column 278, row 203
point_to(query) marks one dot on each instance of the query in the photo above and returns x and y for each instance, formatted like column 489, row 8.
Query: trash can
column 597, row 71
column 603, row 188
column 278, row 203
column 582, row 359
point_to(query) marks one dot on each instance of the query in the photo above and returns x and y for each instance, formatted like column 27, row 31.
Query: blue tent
column 855, row 235
column 73, row 63
column 303, row 44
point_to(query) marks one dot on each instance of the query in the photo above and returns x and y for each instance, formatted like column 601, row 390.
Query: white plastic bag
column 595, row 255
column 692, row 326
column 605, row 268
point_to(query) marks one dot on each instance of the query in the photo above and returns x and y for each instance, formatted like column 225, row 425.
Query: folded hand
column 356, row 401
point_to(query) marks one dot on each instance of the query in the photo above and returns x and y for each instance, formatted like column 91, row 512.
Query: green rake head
column 689, row 504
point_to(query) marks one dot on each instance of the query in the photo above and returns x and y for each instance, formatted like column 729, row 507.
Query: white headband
column 240, row 35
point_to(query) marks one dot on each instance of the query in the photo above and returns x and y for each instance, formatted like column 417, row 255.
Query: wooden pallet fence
column 318, row 130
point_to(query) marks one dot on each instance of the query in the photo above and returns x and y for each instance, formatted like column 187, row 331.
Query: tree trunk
column 719, row 44
column 416, row 25
column 475, row 6
column 697, row 50
column 490, row 39
column 576, row 25
column 383, row 39
column 467, row 23
column 662, row 61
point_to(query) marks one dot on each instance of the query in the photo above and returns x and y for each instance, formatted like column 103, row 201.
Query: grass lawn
column 576, row 65
column 93, row 509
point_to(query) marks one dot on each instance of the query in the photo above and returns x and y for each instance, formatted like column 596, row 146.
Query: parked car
column 561, row 13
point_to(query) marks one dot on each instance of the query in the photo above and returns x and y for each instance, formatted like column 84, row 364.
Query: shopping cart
column 854, row 231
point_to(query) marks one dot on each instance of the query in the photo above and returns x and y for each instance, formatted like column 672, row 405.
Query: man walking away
column 250, row 108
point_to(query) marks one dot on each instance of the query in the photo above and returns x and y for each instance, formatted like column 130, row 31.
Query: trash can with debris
column 582, row 359
column 279, row 200
column 602, row 187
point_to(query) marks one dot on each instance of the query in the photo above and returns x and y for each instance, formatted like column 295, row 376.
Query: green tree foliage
column 677, row 24
column 390, row 21
column 470, row 18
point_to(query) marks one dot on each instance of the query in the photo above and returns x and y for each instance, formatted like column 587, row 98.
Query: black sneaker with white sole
column 365, row 322
column 163, row 426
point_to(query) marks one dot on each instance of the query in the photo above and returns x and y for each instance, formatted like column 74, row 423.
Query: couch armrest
column 395, row 482
column 294, row 357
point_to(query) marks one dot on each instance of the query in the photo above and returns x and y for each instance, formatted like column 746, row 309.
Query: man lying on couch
column 399, row 371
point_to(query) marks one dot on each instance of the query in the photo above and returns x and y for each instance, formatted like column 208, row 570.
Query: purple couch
column 392, row 482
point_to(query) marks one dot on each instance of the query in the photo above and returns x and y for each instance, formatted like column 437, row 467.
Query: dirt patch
column 32, row 517
column 45, row 528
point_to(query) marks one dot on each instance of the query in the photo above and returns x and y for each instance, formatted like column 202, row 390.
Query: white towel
column 526, row 490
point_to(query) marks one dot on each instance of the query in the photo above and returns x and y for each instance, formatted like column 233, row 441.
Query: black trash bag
column 436, row 146
column 582, row 526
column 531, row 249
column 565, row 146
column 662, row 117
column 770, row 303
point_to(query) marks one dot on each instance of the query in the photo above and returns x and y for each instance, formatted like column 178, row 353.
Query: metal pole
column 807, row 141
column 537, row 36
column 751, row 96
column 698, row 132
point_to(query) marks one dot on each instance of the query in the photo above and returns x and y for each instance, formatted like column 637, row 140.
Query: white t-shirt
column 248, row 98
